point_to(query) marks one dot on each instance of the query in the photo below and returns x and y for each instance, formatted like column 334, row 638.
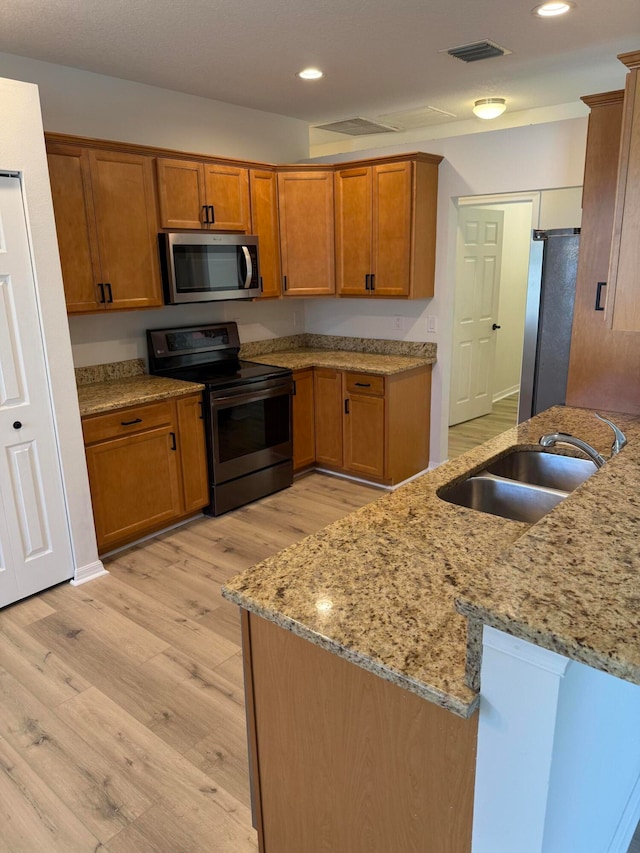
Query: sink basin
column 507, row 498
column 543, row 469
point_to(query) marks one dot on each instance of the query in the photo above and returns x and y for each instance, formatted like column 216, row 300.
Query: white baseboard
column 628, row 822
column 385, row 488
column 507, row 392
column 87, row 573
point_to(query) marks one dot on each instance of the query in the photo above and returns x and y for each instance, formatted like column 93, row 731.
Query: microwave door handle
column 248, row 266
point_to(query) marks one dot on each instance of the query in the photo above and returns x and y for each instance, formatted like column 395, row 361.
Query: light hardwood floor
column 470, row 434
column 122, row 723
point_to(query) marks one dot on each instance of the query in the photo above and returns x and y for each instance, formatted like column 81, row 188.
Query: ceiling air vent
column 476, row 51
column 357, row 127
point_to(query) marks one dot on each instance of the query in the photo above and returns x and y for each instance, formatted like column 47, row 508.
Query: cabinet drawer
column 126, row 421
column 365, row 383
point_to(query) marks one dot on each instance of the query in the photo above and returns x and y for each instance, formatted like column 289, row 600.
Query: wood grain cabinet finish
column 264, row 223
column 147, row 468
column 375, row 427
column 345, row 761
column 105, row 210
column 305, row 204
column 623, row 298
column 207, row 195
column 386, row 228
column 304, row 434
column 603, row 362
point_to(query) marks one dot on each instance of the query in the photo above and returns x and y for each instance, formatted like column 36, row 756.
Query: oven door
column 250, row 429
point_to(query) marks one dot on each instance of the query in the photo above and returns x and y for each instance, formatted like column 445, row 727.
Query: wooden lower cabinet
column 371, row 426
column 304, row 434
column 342, row 760
column 147, row 468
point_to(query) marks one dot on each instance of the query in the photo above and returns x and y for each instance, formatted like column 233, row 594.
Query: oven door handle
column 248, row 265
column 284, row 389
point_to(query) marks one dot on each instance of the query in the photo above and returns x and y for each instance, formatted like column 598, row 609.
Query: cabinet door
column 125, row 209
column 181, row 193
column 329, row 403
column 392, row 194
column 354, row 263
column 624, row 291
column 193, row 453
column 304, row 449
column 364, row 435
column 264, row 223
column 75, row 227
column 227, row 191
column 305, row 201
column 603, row 362
column 134, row 485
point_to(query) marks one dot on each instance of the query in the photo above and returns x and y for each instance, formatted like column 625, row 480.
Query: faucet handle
column 620, row 438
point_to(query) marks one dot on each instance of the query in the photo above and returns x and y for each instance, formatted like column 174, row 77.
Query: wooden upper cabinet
column 386, row 228
column 623, row 298
column 206, row 195
column 105, row 209
column 603, row 362
column 264, row 223
column 305, row 203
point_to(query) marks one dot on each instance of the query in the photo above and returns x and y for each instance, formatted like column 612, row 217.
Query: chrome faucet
column 619, row 442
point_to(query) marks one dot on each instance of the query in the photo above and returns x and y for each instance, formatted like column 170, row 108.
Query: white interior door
column 35, row 544
column 478, row 261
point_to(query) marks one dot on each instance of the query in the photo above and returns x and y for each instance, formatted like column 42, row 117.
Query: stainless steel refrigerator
column 551, row 291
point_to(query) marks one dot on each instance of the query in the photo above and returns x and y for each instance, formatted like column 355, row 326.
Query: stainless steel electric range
column 246, row 409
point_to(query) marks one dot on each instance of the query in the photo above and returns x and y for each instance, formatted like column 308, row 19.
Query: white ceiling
column 379, row 57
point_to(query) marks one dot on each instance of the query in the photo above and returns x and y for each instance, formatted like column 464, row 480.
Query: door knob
column 496, row 326
column 17, row 424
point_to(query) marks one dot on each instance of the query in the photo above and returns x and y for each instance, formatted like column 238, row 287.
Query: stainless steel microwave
column 204, row 267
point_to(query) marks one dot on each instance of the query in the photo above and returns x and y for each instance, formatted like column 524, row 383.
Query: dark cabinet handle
column 205, row 215
column 173, row 440
column 101, row 286
column 284, row 280
column 346, row 407
column 201, row 404
column 294, row 388
column 261, row 285
column 213, row 214
column 366, row 281
column 130, row 423
column 495, row 326
column 17, row 424
column 372, row 279
column 108, row 286
column 363, row 384
column 599, row 289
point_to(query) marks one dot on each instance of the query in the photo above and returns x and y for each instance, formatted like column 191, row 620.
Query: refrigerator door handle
column 599, row 306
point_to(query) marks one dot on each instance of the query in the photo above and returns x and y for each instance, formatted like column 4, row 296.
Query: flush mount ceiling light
column 310, row 74
column 551, row 10
column 489, row 107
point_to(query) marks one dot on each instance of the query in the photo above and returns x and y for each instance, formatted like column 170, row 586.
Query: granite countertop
column 380, row 586
column 105, row 396
column 364, row 362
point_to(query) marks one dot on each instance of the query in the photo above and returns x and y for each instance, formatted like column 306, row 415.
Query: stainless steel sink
column 543, row 469
column 506, row 498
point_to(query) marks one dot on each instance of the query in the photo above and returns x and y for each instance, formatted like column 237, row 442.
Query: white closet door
column 35, row 545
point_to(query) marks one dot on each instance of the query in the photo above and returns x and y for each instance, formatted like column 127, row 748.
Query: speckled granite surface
column 422, row 350
column 106, row 372
column 363, row 362
column 379, row 587
column 131, row 391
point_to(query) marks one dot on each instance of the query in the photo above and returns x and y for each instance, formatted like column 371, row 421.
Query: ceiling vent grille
column 476, row 51
column 357, row 126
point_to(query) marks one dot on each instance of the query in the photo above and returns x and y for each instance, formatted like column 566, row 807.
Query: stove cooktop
column 226, row 374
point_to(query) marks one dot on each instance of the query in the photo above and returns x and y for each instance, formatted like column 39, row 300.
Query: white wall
column 521, row 159
column 85, row 104
column 22, row 150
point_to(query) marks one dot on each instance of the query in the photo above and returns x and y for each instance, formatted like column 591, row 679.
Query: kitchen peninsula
column 386, row 749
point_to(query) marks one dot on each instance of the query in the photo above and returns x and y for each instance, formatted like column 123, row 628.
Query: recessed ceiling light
column 310, row 74
column 489, row 107
column 550, row 10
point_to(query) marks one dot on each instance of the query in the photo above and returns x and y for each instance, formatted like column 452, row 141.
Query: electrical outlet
column 397, row 324
column 432, row 323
